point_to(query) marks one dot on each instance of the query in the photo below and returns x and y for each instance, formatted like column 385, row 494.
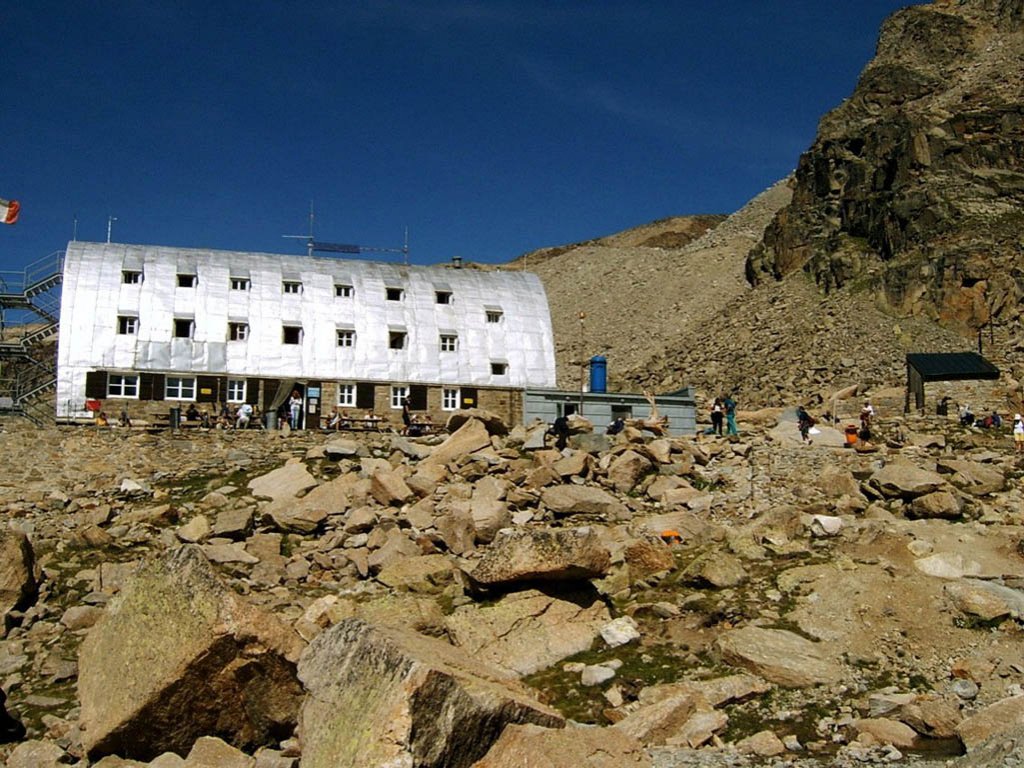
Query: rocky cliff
column 913, row 187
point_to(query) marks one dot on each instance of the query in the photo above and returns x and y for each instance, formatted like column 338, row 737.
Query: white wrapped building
column 144, row 324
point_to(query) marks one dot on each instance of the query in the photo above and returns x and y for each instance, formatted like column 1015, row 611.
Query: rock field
column 479, row 599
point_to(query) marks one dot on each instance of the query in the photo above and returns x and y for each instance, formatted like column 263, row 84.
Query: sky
column 485, row 129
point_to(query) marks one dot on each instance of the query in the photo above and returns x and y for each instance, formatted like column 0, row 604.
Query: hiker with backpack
column 804, row 423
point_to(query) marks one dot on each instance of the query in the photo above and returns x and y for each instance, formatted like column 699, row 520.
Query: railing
column 31, row 293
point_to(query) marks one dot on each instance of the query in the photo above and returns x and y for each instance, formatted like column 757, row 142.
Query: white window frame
column 131, row 276
column 240, row 283
column 191, row 278
column 449, row 342
column 343, row 291
column 238, row 331
column 451, row 397
column 127, row 325
column 347, row 394
column 393, row 289
column 191, row 327
column 236, row 390
column 399, row 392
column 291, row 287
column 183, row 388
column 495, row 315
column 123, row 385
column 284, row 335
column 346, row 337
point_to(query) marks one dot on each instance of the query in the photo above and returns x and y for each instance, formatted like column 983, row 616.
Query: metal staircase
column 29, row 317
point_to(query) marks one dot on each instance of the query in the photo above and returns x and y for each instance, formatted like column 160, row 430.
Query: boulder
column 285, row 482
column 901, row 479
column 427, row 574
column 948, row 565
column 972, row 477
column 939, row 504
column 18, row 587
column 664, row 720
column 571, row 747
column 779, row 656
column 583, row 500
column 471, row 436
column 627, row 469
column 494, row 424
column 489, row 516
column 341, row 448
column 456, row 528
column 762, row 744
column 527, row 631
column 37, row 754
column 886, row 731
column 211, row 752
column 993, row 720
column 986, row 600
column 379, row 696
column 187, row 657
column 389, row 488
column 307, row 515
column 719, row 569
column 233, row 523
column 548, row 554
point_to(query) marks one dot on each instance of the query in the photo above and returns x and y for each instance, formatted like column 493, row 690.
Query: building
column 602, row 408
column 151, row 328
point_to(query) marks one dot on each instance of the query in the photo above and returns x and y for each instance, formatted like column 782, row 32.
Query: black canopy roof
column 951, row 366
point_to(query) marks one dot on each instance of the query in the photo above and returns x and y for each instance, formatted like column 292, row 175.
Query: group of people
column 723, row 413
column 241, row 417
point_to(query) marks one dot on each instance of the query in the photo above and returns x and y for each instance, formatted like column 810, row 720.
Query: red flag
column 9, row 210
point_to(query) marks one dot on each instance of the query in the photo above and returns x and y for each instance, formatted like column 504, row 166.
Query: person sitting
column 244, row 415
column 204, row 419
column 616, row 426
column 192, row 414
column 334, row 422
column 125, row 420
column 101, row 419
column 966, row 416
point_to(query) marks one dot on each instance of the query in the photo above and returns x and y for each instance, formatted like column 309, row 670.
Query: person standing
column 717, row 416
column 1018, row 433
column 294, row 409
column 244, row 416
column 867, row 413
column 804, row 424
column 730, row 415
column 560, row 429
column 406, row 416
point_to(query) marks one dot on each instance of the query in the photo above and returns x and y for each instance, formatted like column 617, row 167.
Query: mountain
column 913, row 189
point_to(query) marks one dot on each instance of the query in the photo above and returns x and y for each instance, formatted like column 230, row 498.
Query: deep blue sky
column 488, row 128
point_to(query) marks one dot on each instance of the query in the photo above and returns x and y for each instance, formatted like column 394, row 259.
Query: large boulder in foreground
column 547, row 554
column 178, row 656
column 901, row 479
column 17, row 574
column 572, row 747
column 384, row 697
column 470, row 437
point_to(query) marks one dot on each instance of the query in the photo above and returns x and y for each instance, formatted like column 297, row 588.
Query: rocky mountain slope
column 913, row 187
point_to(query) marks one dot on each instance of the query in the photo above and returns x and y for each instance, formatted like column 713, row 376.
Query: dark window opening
column 395, row 294
column 342, row 291
column 183, row 328
column 292, row 334
column 443, row 297
column 499, row 369
column 396, row 340
column 131, row 277
column 186, row 281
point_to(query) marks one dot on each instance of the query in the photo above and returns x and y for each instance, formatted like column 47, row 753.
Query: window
column 449, row 342
column 346, row 337
column 184, row 327
column 236, row 390
column 395, row 294
column 396, row 340
column 127, row 325
column 494, row 315
column 342, row 291
column 443, row 297
column 180, row 388
column 292, row 334
column 239, row 283
column 291, row 286
column 499, row 369
column 131, row 276
column 398, row 394
column 238, row 331
column 186, row 281
column 122, row 386
column 449, row 399
column 347, row 395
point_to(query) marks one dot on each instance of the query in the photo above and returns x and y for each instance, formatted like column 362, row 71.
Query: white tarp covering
column 95, row 294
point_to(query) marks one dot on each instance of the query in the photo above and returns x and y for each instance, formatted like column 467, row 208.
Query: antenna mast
column 313, row 245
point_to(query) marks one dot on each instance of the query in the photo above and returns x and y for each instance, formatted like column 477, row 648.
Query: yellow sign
column 205, row 391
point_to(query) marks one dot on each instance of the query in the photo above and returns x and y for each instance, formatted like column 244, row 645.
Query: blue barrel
column 598, row 373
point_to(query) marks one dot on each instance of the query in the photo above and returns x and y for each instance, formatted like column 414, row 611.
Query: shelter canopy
column 943, row 366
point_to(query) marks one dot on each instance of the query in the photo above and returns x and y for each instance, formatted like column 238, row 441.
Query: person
column 997, row 420
column 942, row 409
column 966, row 416
column 1018, row 433
column 125, row 420
column 717, row 416
column 617, row 425
column 192, row 414
column 730, row 415
column 560, row 429
column 294, row 409
column 101, row 419
column 244, row 415
column 804, row 423
column 335, row 421
column 867, row 413
column 204, row 419
column 406, row 416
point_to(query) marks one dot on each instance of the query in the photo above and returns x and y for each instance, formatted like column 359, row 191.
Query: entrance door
column 314, row 404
